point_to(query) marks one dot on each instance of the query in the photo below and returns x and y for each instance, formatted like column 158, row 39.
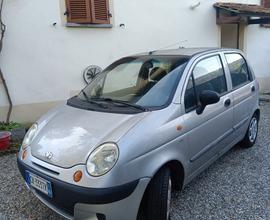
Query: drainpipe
column 8, row 96
column 2, row 32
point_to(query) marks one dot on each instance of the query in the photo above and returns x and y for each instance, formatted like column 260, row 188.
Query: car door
column 209, row 132
column 244, row 92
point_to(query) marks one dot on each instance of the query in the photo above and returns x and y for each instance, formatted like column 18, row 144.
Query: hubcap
column 253, row 129
column 169, row 198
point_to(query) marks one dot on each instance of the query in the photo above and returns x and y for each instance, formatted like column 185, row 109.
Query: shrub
column 9, row 126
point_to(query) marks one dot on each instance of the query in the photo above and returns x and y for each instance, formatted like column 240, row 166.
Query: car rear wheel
column 157, row 199
column 252, row 132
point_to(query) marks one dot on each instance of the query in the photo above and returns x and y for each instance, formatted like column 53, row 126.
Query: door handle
column 253, row 89
column 227, row 102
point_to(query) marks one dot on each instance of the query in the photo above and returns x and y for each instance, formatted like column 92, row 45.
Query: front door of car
column 208, row 132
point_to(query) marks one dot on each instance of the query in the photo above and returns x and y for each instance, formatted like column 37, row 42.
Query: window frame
column 193, row 80
column 195, row 93
column 87, row 24
column 250, row 76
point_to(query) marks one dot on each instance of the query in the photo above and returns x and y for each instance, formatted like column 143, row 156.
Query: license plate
column 39, row 183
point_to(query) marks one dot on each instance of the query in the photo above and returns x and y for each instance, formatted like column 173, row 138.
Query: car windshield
column 142, row 82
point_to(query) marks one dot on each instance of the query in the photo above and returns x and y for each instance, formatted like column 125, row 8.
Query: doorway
column 230, row 36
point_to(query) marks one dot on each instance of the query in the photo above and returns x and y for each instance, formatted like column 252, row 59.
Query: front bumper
column 90, row 203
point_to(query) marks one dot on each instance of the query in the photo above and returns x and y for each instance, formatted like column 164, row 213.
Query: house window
column 266, row 4
column 88, row 11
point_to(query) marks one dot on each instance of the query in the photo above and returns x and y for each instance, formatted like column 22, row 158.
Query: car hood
column 70, row 134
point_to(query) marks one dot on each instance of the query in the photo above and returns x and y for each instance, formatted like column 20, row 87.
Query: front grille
column 45, row 169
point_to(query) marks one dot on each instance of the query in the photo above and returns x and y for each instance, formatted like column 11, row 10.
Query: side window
column 190, row 96
column 209, row 75
column 238, row 69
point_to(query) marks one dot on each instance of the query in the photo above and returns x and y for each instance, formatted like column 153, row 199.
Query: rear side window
column 208, row 74
column 238, row 68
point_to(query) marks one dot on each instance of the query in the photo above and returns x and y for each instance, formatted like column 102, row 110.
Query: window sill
column 89, row 25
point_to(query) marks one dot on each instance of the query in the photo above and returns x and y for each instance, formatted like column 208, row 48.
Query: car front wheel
column 157, row 199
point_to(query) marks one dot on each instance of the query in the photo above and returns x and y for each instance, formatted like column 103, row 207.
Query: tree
column 2, row 34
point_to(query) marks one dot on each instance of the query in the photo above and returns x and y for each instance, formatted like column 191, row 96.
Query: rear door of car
column 243, row 92
column 209, row 132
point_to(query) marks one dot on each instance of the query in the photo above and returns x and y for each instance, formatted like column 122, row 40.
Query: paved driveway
column 237, row 186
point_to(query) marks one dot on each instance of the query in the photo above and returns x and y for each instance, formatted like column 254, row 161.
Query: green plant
column 9, row 126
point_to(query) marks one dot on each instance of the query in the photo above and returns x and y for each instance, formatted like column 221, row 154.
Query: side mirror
column 207, row 97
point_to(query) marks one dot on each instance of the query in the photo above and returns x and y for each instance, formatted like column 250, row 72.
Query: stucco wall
column 258, row 53
column 44, row 63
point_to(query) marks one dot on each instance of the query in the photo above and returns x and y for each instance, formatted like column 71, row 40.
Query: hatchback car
column 147, row 124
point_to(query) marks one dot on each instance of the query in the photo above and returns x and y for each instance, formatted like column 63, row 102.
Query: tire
column 251, row 134
column 157, row 198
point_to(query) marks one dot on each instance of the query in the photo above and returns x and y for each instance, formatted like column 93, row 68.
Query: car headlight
column 31, row 133
column 102, row 159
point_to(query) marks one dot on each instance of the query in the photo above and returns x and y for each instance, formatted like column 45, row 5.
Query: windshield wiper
column 92, row 101
column 127, row 104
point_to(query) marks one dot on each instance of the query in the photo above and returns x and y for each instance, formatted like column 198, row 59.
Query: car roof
column 186, row 51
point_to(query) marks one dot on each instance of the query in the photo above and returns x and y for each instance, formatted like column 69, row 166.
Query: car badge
column 49, row 155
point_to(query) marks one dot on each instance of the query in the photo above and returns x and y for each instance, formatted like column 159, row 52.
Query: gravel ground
column 235, row 187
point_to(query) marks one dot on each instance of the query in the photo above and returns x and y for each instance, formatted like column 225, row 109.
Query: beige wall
column 264, row 84
column 29, row 112
column 258, row 53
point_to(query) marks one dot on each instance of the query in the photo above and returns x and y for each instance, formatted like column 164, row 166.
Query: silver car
column 147, row 124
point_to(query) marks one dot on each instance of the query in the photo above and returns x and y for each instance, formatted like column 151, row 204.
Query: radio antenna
column 171, row 45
